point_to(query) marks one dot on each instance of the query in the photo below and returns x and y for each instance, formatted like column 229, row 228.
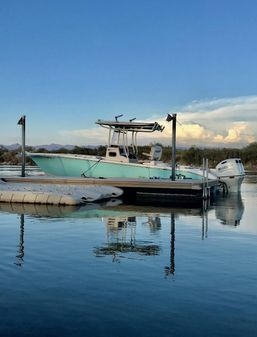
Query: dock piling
column 22, row 122
column 173, row 118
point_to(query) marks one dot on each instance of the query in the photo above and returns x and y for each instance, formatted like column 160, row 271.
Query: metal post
column 207, row 177
column 173, row 162
column 173, row 159
column 203, row 179
column 22, row 122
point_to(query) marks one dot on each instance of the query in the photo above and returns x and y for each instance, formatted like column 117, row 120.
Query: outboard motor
column 231, row 173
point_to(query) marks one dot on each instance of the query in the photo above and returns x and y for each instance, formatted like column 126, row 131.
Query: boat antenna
column 116, row 117
column 132, row 119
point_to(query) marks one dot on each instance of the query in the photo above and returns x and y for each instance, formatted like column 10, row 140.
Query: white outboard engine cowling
column 231, row 172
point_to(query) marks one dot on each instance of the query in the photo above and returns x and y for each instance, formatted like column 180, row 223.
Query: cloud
column 231, row 106
column 215, row 122
column 218, row 122
column 239, row 132
column 93, row 136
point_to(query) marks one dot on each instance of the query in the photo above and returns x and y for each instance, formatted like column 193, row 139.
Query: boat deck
column 186, row 191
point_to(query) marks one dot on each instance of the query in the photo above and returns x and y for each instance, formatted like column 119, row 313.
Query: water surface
column 122, row 270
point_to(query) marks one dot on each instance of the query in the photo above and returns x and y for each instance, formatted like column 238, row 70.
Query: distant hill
column 53, row 147
column 48, row 147
column 10, row 147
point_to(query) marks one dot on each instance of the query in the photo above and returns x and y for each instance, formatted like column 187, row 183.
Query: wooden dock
column 185, row 191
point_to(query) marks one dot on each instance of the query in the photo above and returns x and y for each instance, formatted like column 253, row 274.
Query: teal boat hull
column 72, row 166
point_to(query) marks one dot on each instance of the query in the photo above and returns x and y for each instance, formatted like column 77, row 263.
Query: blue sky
column 66, row 63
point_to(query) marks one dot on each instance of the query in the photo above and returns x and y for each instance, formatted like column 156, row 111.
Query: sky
column 67, row 63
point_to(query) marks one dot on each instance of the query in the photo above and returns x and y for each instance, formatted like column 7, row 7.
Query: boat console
column 122, row 140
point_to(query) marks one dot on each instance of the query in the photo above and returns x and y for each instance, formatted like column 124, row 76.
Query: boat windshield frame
column 131, row 126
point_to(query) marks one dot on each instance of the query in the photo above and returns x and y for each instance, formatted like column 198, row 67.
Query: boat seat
column 155, row 153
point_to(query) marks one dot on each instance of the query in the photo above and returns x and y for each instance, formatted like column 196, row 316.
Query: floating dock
column 27, row 197
column 186, row 191
column 39, row 192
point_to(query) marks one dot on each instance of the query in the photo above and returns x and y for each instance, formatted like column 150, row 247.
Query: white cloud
column 94, row 136
column 238, row 131
column 217, row 122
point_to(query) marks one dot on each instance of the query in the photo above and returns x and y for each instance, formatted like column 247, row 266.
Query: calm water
column 116, row 270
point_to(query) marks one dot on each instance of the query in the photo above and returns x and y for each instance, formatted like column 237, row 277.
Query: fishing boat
column 121, row 158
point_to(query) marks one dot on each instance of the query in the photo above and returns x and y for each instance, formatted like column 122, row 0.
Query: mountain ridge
column 49, row 147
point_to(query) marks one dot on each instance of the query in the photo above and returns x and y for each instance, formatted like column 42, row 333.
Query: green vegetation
column 8, row 157
column 193, row 156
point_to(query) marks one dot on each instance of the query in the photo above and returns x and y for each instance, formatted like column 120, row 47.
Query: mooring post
column 173, row 159
column 22, row 122
column 174, row 122
column 207, row 177
column 204, row 179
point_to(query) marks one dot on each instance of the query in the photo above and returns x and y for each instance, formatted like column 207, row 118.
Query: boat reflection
column 229, row 210
column 121, row 222
column 154, row 223
column 121, row 239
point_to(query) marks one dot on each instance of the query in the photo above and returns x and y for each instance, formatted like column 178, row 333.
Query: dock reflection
column 37, row 210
